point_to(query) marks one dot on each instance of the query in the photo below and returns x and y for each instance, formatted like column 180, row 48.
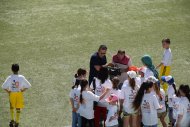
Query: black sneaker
column 16, row 124
column 11, row 124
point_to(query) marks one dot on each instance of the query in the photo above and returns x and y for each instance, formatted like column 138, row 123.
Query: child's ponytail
column 175, row 89
column 83, row 84
column 132, row 83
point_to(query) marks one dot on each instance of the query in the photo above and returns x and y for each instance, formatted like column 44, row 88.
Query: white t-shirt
column 86, row 109
column 148, row 73
column 175, row 105
column 15, row 83
column 149, row 108
column 167, row 57
column 128, row 94
column 171, row 93
column 112, row 116
column 162, row 101
column 100, row 89
column 75, row 96
column 184, row 109
column 116, row 92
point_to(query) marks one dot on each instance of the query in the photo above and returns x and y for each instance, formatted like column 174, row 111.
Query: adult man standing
column 97, row 61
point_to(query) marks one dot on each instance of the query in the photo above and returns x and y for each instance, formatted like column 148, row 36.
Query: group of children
column 143, row 98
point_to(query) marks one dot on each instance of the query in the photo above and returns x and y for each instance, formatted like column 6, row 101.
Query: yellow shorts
column 16, row 100
column 165, row 71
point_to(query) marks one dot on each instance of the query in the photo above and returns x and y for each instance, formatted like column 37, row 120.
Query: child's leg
column 97, row 116
column 165, row 71
column 162, row 119
column 79, row 120
column 104, row 114
column 12, row 113
column 126, row 121
column 134, row 121
column 74, row 119
column 18, row 115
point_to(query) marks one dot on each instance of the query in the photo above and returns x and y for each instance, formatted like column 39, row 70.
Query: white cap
column 132, row 74
column 152, row 79
column 143, row 69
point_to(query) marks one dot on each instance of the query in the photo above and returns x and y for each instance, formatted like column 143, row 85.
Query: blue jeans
column 76, row 119
column 151, row 125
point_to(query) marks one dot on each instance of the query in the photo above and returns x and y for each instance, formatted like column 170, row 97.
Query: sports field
column 50, row 39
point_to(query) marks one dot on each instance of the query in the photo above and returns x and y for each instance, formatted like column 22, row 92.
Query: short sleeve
column 26, row 83
column 7, row 83
column 130, row 62
column 122, row 93
column 71, row 94
column 108, row 84
column 181, row 109
column 155, row 102
column 93, row 97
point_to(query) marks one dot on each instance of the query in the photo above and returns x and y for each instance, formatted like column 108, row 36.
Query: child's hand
column 74, row 110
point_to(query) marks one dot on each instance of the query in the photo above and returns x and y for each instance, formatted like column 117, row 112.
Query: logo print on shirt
column 132, row 95
column 15, row 84
column 76, row 98
column 100, row 89
column 188, row 108
column 146, row 106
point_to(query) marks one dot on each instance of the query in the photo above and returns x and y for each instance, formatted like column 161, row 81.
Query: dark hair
column 121, row 51
column 175, row 89
column 115, row 82
column 79, row 73
column 103, row 74
column 186, row 90
column 15, row 68
column 167, row 40
column 157, row 90
column 102, row 47
column 138, row 99
column 132, row 83
column 83, row 84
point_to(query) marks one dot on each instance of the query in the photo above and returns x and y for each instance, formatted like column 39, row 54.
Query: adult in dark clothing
column 97, row 61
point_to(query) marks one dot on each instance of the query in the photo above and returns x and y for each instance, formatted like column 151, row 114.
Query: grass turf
column 51, row 39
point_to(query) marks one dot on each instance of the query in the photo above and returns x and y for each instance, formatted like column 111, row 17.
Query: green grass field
column 50, row 39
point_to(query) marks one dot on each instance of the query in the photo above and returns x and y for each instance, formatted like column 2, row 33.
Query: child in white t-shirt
column 172, row 91
column 183, row 118
column 87, row 99
column 75, row 96
column 112, row 116
column 160, row 94
column 15, row 85
column 147, row 102
column 127, row 96
column 175, row 105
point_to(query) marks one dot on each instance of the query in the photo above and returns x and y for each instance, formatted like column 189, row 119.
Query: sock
column 12, row 114
column 17, row 115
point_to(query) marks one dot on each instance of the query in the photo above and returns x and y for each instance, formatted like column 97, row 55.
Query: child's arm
column 72, row 105
column 7, row 91
column 159, row 65
column 104, row 94
column 121, row 106
column 179, row 120
column 23, row 90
